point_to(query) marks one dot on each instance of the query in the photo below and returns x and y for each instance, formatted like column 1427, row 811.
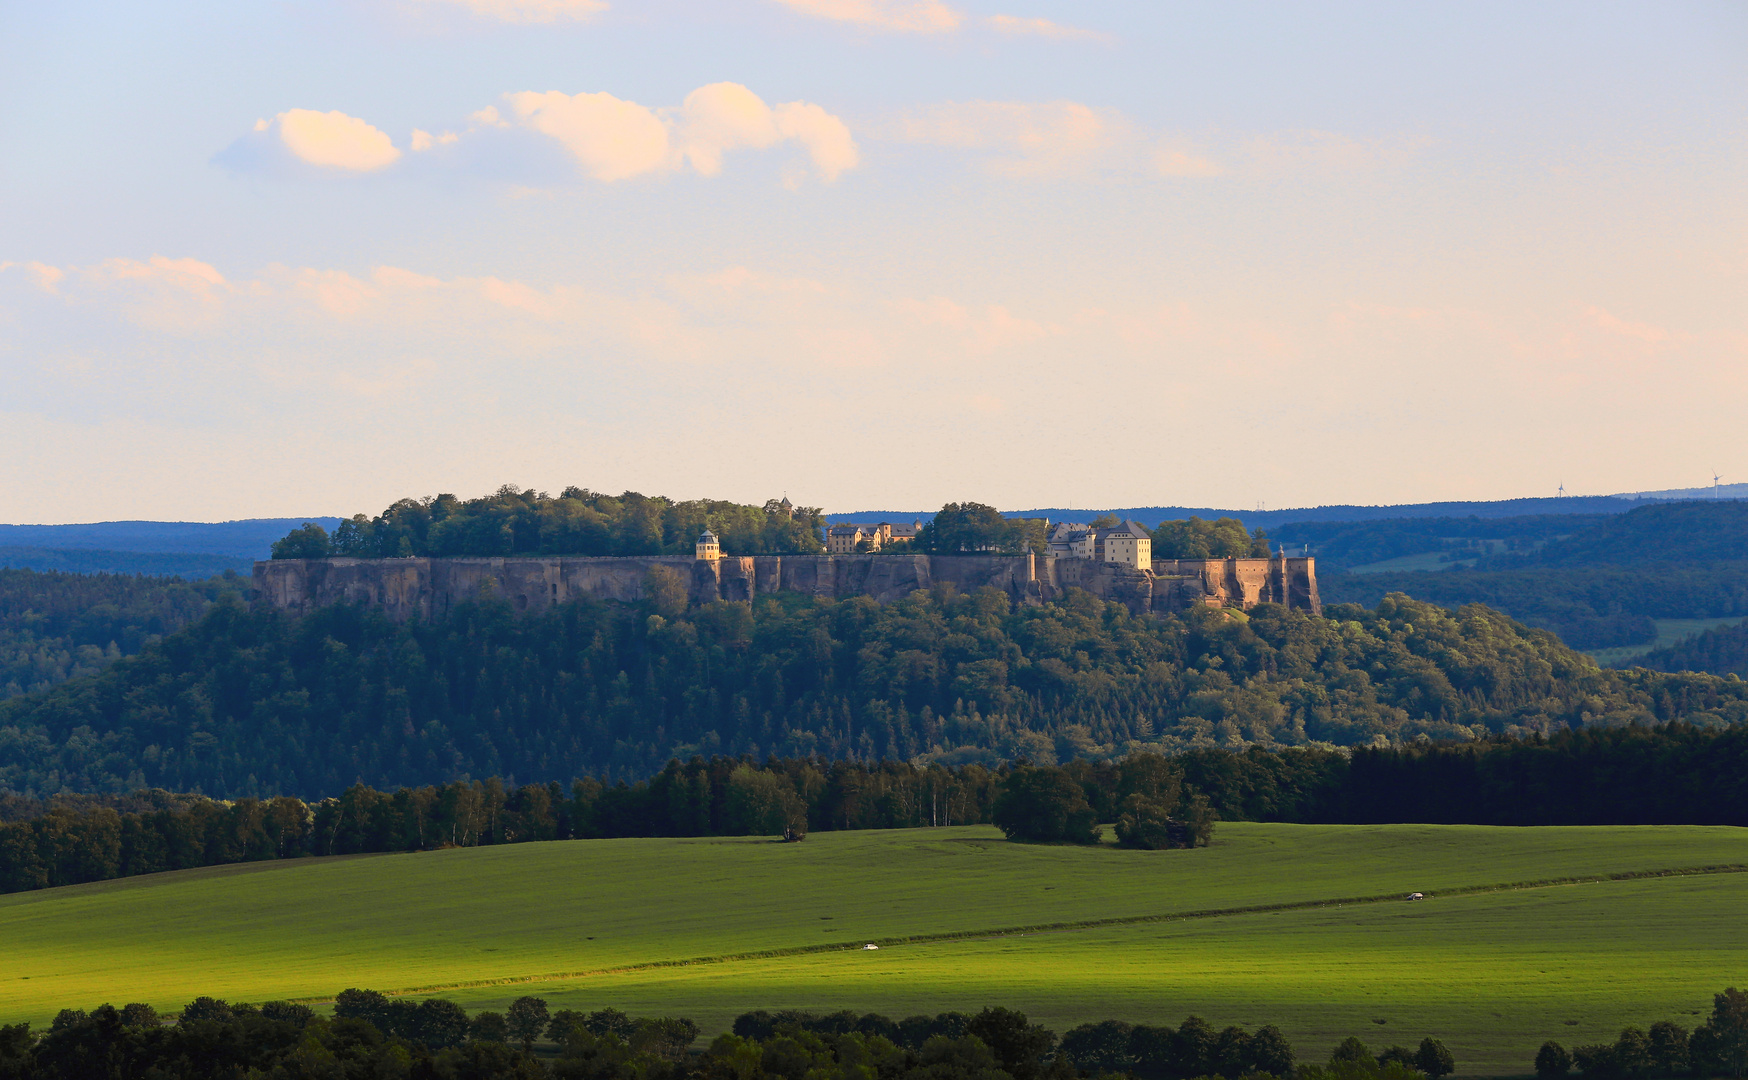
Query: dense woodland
column 56, row 626
column 576, row 522
column 1676, row 774
column 250, row 702
column 371, row 1035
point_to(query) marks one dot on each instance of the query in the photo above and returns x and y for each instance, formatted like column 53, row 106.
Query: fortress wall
column 404, row 588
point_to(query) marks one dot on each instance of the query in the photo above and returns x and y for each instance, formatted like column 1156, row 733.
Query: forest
column 1672, row 774
column 56, row 626
column 251, row 702
column 578, row 521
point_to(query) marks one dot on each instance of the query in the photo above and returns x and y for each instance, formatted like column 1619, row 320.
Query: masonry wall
column 430, row 587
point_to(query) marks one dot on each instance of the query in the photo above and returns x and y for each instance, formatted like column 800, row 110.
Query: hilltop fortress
column 428, row 587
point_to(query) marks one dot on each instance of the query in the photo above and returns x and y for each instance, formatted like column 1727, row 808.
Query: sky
column 264, row 259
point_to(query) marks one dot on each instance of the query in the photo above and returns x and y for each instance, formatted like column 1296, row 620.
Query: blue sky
column 281, row 258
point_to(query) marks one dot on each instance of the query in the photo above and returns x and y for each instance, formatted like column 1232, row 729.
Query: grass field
column 678, row 926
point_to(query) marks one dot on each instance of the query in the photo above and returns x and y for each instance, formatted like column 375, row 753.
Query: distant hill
column 1678, row 532
column 189, row 565
column 1721, row 491
column 1270, row 519
column 248, row 539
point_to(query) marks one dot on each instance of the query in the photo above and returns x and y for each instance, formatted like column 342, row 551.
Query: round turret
column 708, row 546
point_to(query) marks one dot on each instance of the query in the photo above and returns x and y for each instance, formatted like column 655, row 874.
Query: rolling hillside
column 1297, row 925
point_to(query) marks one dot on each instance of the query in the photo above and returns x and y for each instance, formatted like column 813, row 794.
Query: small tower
column 787, row 507
column 708, row 546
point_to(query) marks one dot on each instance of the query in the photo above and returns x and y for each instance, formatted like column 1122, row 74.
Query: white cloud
column 907, row 16
column 531, row 11
column 333, row 140
column 1018, row 25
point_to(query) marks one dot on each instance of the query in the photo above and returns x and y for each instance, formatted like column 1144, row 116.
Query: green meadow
column 1527, row 934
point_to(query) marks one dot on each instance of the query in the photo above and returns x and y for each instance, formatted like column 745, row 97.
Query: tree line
column 511, row 521
column 1675, row 774
column 254, row 702
column 373, row 1035
column 1718, row 1047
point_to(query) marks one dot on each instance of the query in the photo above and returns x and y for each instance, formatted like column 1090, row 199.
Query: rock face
column 405, row 588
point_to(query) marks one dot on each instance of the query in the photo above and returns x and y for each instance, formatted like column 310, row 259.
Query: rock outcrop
column 405, row 588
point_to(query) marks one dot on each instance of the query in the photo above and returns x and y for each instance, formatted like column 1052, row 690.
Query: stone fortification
column 429, row 587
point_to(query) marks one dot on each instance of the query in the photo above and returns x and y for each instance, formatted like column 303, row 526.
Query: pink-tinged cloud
column 610, row 138
column 904, row 16
column 333, row 140
column 530, row 11
column 614, row 140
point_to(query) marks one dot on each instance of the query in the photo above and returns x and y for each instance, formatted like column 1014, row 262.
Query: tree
column 1668, row 1046
column 1632, row 1053
column 489, row 1027
column 437, row 1023
column 1552, row 1061
column 1193, row 1048
column 1147, row 824
column 308, row 542
column 1232, row 1052
column 1018, row 1044
column 138, row 1014
column 1351, row 1049
column 1729, row 1025
column 1106, row 1046
column 972, row 528
column 1270, row 1052
column 1039, row 805
column 610, row 1021
column 665, row 591
column 1434, row 1059
column 1198, row 539
column 666, row 1037
column 1401, row 1055
column 206, row 1009
column 284, row 1012
column 527, row 1019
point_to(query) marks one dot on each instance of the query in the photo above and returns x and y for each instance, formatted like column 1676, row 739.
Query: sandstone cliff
column 429, row 587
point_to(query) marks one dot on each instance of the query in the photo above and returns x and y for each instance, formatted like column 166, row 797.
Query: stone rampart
column 430, row 587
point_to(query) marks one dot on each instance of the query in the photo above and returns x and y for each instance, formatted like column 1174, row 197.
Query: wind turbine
column 1562, row 493
column 1715, row 479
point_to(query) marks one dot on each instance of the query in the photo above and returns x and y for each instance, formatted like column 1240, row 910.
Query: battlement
column 427, row 588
